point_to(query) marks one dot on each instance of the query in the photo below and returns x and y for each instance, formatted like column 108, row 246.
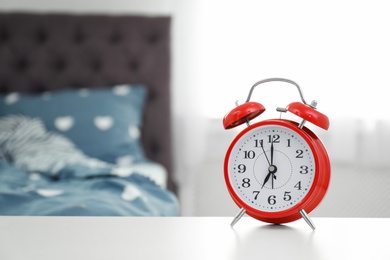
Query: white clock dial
column 271, row 168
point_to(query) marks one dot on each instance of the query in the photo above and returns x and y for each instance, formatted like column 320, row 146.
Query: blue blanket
column 68, row 183
column 23, row 193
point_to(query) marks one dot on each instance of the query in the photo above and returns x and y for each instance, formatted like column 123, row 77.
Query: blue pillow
column 104, row 123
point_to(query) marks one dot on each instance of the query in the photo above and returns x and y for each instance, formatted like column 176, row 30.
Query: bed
column 85, row 125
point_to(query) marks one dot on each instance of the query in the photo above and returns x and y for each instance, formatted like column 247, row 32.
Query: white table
column 117, row 238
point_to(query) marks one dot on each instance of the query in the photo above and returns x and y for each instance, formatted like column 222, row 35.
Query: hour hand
column 266, row 178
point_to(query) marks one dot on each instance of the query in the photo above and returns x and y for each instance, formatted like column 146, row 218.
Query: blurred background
column 337, row 51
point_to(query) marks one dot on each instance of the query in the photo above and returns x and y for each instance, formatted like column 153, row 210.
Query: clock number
column 241, row 168
column 287, row 196
column 299, row 154
column 259, row 143
column 249, row 154
column 298, row 185
column 256, row 192
column 288, row 143
column 273, row 138
column 304, row 169
column 246, row 183
column 272, row 200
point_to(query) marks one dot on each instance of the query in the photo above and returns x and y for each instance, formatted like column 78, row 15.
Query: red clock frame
column 317, row 191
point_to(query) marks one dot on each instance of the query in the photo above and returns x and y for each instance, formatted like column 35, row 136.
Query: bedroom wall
column 337, row 52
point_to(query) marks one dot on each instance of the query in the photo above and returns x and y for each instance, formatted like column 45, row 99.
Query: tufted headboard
column 40, row 52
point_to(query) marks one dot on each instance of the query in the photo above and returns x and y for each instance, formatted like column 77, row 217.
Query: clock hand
column 266, row 157
column 271, row 172
column 266, row 178
column 272, row 181
column 273, row 168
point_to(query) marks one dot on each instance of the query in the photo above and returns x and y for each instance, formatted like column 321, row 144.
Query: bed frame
column 41, row 52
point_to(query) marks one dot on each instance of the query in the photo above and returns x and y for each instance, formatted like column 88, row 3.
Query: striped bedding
column 44, row 173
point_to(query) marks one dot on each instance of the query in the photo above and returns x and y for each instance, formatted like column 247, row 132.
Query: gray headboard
column 40, row 52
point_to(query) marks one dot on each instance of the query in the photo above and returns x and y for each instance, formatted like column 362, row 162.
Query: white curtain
column 337, row 51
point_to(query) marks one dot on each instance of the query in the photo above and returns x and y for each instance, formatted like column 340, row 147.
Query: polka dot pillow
column 104, row 123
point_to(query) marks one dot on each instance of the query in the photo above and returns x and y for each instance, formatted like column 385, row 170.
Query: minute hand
column 272, row 166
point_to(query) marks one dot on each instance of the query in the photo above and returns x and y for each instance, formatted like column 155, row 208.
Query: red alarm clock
column 276, row 170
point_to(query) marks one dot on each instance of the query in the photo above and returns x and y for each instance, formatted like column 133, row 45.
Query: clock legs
column 303, row 213
column 238, row 217
column 307, row 219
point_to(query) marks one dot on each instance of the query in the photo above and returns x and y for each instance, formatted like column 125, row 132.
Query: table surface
column 116, row 238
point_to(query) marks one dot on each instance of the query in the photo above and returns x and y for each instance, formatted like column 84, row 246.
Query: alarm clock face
column 270, row 167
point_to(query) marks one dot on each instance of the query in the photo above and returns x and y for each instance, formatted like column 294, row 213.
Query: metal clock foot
column 238, row 217
column 307, row 219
